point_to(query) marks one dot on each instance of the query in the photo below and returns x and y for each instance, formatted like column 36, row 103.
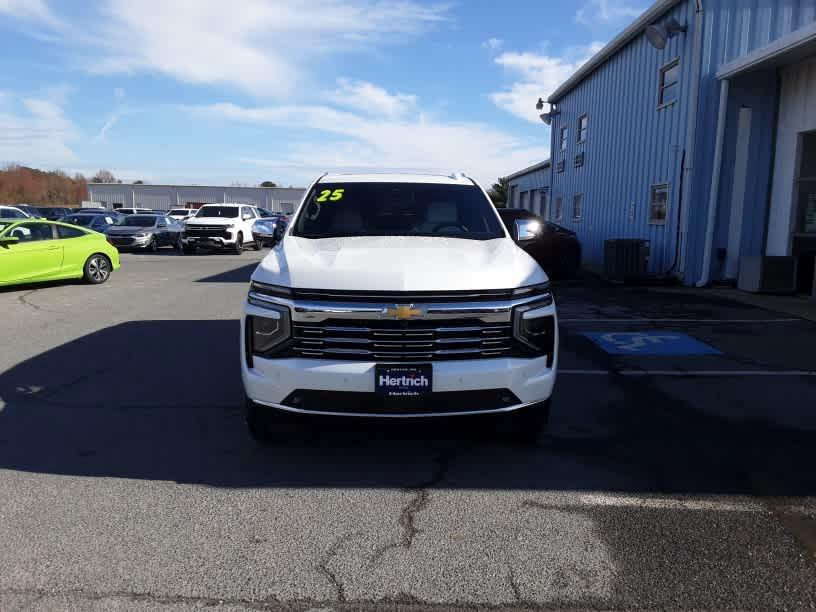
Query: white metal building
column 165, row 197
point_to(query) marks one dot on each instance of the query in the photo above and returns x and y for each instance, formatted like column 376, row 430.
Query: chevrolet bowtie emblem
column 403, row 312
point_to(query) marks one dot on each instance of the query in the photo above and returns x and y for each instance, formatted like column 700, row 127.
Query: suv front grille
column 388, row 340
column 207, row 231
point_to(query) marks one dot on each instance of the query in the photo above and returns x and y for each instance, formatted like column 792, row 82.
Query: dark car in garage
column 555, row 248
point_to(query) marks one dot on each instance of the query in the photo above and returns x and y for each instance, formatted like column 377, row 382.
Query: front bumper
column 128, row 242
column 462, row 387
column 213, row 242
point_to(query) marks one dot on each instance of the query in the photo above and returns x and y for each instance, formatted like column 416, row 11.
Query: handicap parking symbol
column 650, row 343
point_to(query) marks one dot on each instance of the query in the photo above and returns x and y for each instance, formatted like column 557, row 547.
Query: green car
column 38, row 250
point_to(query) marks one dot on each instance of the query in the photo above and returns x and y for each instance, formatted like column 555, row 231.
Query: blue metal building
column 529, row 188
column 695, row 128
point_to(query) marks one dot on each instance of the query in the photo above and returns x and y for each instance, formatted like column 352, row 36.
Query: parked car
column 138, row 211
column 146, row 232
column 268, row 231
column 53, row 213
column 181, row 214
column 31, row 211
column 555, row 248
column 398, row 296
column 98, row 222
column 35, row 250
column 221, row 226
column 12, row 212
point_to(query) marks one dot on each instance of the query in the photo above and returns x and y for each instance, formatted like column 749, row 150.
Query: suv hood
column 398, row 263
column 212, row 221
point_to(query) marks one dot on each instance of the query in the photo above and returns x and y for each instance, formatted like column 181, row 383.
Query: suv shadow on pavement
column 162, row 400
column 236, row 275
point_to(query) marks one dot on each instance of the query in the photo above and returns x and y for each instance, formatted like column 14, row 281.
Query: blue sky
column 207, row 91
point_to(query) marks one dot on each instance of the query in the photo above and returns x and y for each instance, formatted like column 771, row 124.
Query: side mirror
column 527, row 229
column 7, row 240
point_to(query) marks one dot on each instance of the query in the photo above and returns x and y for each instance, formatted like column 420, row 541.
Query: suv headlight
column 265, row 289
column 530, row 290
column 269, row 333
column 534, row 327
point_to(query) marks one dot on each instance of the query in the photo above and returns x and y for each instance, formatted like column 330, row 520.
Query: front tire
column 153, row 246
column 97, row 269
column 257, row 244
column 238, row 248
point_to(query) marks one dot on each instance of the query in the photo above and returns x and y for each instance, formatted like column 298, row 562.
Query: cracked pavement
column 128, row 481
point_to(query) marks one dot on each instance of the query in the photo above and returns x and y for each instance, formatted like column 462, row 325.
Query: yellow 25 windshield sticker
column 329, row 195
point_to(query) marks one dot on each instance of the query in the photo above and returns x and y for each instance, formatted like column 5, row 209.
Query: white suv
column 398, row 296
column 221, row 226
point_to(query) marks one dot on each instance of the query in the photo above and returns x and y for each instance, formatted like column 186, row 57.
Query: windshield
column 83, row 220
column 397, row 209
column 139, row 220
column 228, row 212
column 178, row 211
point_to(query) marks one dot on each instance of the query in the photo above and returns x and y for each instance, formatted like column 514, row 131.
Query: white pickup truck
column 221, row 226
column 398, row 296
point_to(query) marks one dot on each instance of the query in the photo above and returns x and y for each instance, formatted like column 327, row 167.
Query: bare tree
column 104, row 176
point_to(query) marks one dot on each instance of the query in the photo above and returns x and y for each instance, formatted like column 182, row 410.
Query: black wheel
column 97, row 269
column 257, row 244
column 527, row 424
column 179, row 246
column 239, row 244
column 153, row 246
column 188, row 250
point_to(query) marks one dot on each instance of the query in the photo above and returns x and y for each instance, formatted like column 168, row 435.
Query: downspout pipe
column 713, row 196
column 691, row 136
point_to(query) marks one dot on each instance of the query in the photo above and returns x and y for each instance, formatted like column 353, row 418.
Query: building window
column 583, row 123
column 658, row 204
column 577, row 206
column 564, row 136
column 669, row 83
column 558, row 210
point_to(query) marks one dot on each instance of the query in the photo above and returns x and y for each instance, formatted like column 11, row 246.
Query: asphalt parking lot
column 666, row 480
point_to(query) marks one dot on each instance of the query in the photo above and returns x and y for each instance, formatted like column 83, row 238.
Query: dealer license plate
column 403, row 380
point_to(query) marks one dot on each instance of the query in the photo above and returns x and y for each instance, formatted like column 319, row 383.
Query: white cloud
column 371, row 99
column 260, row 46
column 605, row 12
column 35, row 10
column 538, row 76
column 494, row 44
column 349, row 140
column 34, row 130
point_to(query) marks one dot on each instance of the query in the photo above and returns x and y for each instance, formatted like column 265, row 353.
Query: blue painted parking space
column 650, row 343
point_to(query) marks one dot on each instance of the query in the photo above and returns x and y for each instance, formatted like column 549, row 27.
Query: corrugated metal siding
column 533, row 184
column 733, row 29
column 630, row 145
column 164, row 197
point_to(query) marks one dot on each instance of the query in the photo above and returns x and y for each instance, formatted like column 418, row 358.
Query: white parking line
column 624, row 320
column 689, row 373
